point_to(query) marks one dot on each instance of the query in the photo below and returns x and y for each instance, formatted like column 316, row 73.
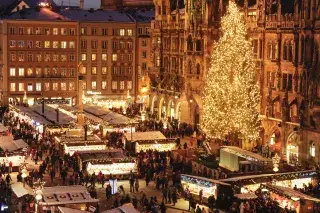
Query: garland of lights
column 231, row 95
column 197, row 181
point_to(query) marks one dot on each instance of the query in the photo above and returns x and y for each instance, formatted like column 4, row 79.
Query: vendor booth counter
column 291, row 199
column 143, row 141
column 249, row 184
column 236, row 159
column 209, row 186
column 75, row 197
column 111, row 161
column 72, row 144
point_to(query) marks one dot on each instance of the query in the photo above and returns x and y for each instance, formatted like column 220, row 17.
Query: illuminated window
column 55, row 71
column 21, row 87
column 104, row 70
column 47, row 86
column 46, row 44
column 63, row 86
column 72, row 45
column 12, row 87
column 12, row 71
column 104, row 84
column 312, row 149
column 38, row 44
column 83, row 57
column 55, row 31
column 21, row 57
column 129, row 85
column 55, row 86
column 55, row 57
column 129, row 32
column 63, row 44
column 63, row 72
column 84, row 70
column 46, row 57
column 121, row 85
column 30, row 87
column 55, row 44
column 38, row 87
column 38, row 71
column 122, row 32
column 20, row 43
column 72, row 86
column 63, row 31
column 47, row 71
column 93, row 57
column 39, row 57
column 12, row 43
column 21, row 71
column 29, row 71
column 93, row 70
column 114, row 57
column 38, row 31
column 83, row 31
column 114, row 85
column 29, row 31
column 46, row 31
column 104, row 57
column 93, row 85
column 13, row 57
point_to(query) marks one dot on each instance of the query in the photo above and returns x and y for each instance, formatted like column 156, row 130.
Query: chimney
column 81, row 4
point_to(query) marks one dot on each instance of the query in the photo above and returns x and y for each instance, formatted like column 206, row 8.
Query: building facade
column 285, row 43
column 43, row 57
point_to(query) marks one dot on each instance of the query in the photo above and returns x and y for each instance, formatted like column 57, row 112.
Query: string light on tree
column 231, row 96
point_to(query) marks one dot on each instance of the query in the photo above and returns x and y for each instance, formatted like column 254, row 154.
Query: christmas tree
column 231, row 95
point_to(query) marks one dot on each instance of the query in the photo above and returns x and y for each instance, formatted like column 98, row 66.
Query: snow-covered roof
column 59, row 195
column 19, row 190
column 140, row 136
column 7, row 143
column 126, row 208
column 245, row 154
column 51, row 114
column 33, row 14
column 33, row 115
column 97, row 15
column 69, row 210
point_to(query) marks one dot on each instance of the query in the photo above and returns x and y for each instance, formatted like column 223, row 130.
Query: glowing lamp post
column 275, row 161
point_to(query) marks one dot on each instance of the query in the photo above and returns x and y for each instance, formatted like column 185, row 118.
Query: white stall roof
column 127, row 208
column 141, row 136
column 206, row 179
column 33, row 115
column 247, row 196
column 7, row 143
column 245, row 154
column 69, row 210
column 19, row 190
column 60, row 195
column 3, row 128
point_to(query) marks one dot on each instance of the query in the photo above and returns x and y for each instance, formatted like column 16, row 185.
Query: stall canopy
column 69, row 210
column 127, row 208
column 245, row 154
column 76, row 139
column 247, row 196
column 60, row 195
column 263, row 178
column 7, row 143
column 19, row 190
column 32, row 115
column 97, row 155
column 289, row 192
column 144, row 136
column 200, row 180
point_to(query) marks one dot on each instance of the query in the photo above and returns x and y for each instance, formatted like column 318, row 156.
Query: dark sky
column 87, row 3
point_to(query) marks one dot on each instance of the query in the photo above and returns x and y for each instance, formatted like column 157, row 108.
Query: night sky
column 87, row 3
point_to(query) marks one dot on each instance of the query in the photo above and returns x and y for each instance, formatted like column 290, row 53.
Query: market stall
column 17, row 158
column 291, row 199
column 143, row 141
column 194, row 184
column 237, row 159
column 111, row 161
column 72, row 144
column 8, row 144
column 249, row 184
column 126, row 208
column 74, row 197
column 69, row 210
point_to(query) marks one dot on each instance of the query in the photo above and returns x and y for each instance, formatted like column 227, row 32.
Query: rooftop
column 36, row 14
column 140, row 136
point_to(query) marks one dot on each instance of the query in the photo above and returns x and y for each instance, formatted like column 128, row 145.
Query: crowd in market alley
column 157, row 169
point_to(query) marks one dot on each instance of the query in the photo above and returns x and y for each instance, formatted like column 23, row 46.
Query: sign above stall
column 53, row 101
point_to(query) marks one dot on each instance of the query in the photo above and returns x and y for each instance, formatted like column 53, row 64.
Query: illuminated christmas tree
column 231, row 96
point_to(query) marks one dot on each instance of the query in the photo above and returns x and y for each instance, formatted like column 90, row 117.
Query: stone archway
column 162, row 108
column 153, row 104
column 171, row 109
column 292, row 151
column 178, row 111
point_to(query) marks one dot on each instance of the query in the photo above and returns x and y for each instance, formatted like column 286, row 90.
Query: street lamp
column 275, row 161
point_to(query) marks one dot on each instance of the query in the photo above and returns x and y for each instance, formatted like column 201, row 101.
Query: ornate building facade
column 285, row 38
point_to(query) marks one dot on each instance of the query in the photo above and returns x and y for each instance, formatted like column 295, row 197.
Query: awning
column 245, row 154
column 248, row 196
column 69, row 210
column 20, row 144
column 19, row 190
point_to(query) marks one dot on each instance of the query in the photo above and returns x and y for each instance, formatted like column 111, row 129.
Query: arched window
column 190, row 44
column 285, row 50
column 269, row 50
column 273, row 139
column 293, row 110
column 312, row 149
column 198, row 69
